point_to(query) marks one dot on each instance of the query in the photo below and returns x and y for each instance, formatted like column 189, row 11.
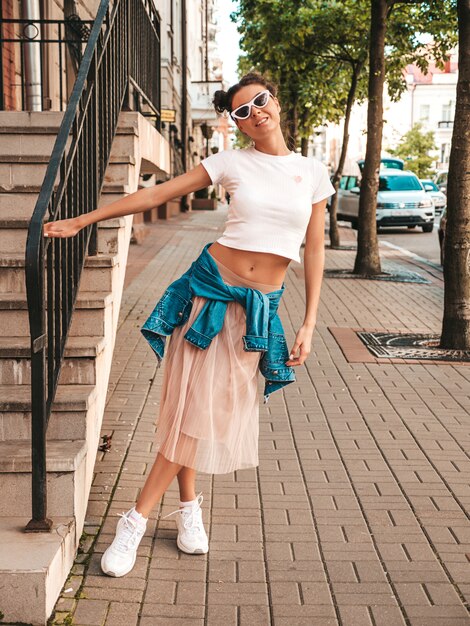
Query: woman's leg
column 160, row 477
column 187, row 484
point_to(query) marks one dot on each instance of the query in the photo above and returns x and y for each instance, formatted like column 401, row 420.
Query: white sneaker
column 191, row 537
column 119, row 557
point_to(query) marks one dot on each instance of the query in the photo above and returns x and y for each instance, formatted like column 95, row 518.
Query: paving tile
column 362, row 488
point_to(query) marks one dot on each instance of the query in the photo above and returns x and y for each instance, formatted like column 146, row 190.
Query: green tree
column 414, row 148
column 393, row 28
column 318, row 50
column 456, row 320
column 316, row 53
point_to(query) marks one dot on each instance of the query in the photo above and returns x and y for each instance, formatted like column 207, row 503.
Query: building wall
column 429, row 99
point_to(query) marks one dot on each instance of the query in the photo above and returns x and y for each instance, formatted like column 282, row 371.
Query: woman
column 222, row 313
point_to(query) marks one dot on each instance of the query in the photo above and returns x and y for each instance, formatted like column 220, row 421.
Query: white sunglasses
column 244, row 110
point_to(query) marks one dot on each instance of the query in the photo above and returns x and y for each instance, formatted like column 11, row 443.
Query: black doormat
column 410, row 346
column 392, row 272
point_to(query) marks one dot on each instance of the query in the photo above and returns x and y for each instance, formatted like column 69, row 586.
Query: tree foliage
column 414, row 148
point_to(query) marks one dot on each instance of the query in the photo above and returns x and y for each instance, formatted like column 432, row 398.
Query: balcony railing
column 62, row 41
column 446, row 124
column 122, row 56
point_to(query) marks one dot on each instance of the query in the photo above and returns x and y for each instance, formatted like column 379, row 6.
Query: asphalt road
column 414, row 240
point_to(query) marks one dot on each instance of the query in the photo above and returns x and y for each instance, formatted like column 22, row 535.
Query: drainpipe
column 32, row 57
column 184, row 95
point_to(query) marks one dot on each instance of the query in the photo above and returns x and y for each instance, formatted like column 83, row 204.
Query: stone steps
column 79, row 367
column 91, row 315
column 65, row 467
column 97, row 273
column 35, row 565
column 72, row 409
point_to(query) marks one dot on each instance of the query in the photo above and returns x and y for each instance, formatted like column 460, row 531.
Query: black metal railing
column 445, row 124
column 114, row 64
column 64, row 41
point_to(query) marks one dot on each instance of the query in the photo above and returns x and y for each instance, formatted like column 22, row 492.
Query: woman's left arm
column 314, row 261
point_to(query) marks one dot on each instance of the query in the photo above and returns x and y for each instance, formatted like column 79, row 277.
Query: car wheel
column 428, row 228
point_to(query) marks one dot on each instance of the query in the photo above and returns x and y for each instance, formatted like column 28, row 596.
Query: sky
column 228, row 40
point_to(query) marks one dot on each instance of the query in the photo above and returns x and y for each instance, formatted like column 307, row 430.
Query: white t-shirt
column 271, row 198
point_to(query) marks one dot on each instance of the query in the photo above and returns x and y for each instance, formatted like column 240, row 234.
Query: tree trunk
column 456, row 321
column 291, row 125
column 304, row 146
column 292, row 112
column 367, row 258
column 334, row 231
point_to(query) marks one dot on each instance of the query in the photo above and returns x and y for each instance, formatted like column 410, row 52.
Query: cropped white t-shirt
column 271, row 198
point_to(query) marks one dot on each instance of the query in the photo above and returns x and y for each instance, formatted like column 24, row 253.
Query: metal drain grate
column 392, row 272
column 410, row 346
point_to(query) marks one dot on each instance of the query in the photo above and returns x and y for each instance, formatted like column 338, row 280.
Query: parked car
column 441, row 180
column 386, row 163
column 437, row 196
column 442, row 234
column 348, row 180
column 401, row 201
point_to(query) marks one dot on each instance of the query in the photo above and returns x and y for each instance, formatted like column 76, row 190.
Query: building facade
column 428, row 99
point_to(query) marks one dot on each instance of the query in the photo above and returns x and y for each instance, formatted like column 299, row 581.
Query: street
column 414, row 240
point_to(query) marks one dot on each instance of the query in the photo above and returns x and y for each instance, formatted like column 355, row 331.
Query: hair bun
column 220, row 101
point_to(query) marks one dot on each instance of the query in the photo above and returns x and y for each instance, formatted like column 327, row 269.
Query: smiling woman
column 221, row 314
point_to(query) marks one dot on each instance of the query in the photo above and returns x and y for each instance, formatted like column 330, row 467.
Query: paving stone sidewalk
column 358, row 513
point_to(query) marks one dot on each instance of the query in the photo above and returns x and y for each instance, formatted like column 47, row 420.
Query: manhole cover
column 410, row 346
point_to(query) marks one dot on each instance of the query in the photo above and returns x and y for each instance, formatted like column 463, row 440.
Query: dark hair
column 223, row 99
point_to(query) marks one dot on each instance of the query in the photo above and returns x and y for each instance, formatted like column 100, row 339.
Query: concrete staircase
column 34, row 567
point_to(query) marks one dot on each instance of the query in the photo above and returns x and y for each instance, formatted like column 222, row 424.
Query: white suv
column 401, row 201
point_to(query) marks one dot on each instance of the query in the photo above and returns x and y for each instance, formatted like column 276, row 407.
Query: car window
column 399, row 183
column 343, row 182
column 430, row 186
column 352, row 182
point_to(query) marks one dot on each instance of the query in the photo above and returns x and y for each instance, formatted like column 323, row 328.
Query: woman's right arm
column 141, row 200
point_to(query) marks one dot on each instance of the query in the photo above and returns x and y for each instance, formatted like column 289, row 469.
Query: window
column 352, row 182
column 424, row 110
column 399, row 183
column 448, row 111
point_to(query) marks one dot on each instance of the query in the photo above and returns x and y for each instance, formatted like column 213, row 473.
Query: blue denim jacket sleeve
column 171, row 310
column 273, row 362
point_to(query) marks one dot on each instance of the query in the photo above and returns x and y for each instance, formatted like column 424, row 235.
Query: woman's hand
column 63, row 228
column 302, row 346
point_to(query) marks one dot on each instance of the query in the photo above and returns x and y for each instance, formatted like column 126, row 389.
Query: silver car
column 401, row 201
column 439, row 198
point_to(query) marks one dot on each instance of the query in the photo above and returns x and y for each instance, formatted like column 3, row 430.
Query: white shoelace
column 128, row 536
column 192, row 520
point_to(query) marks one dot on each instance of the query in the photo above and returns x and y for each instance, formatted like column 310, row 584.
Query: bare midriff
column 260, row 267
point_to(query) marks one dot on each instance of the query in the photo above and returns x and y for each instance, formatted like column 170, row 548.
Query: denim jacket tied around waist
column 264, row 331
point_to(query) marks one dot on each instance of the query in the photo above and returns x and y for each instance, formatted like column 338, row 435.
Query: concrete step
column 65, row 466
column 93, row 311
column 34, row 567
column 17, row 170
column 72, row 412
column 97, row 274
column 78, row 368
column 15, row 228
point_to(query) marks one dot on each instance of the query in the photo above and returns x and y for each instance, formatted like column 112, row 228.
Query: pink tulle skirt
column 209, row 407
